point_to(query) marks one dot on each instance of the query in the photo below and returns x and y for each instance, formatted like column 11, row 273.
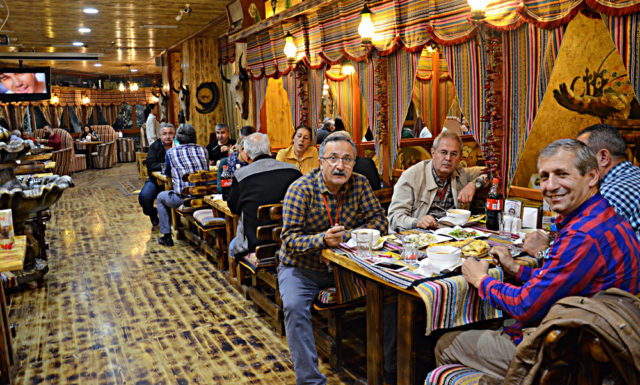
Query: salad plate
column 459, row 233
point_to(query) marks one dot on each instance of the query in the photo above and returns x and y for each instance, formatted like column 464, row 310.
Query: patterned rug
column 130, row 186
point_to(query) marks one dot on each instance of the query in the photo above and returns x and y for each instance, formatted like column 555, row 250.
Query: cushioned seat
column 206, row 220
column 182, row 210
column 453, row 374
column 109, row 137
column 64, row 157
column 126, row 150
column 253, row 264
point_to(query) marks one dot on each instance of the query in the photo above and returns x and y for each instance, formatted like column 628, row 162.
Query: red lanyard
column 329, row 212
column 443, row 192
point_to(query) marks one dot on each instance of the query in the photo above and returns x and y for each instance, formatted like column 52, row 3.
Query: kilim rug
column 130, row 186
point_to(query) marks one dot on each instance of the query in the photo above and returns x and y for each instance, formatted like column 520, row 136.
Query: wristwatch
column 478, row 183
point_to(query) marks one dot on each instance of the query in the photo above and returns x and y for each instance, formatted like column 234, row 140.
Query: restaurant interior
column 90, row 297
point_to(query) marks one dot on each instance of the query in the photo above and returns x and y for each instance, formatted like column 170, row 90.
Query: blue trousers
column 298, row 288
column 146, row 197
column 167, row 200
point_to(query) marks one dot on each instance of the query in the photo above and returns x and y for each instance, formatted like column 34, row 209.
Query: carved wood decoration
column 207, row 96
column 302, row 76
column 492, row 146
column 381, row 102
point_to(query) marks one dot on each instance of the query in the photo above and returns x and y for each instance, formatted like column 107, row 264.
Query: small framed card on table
column 6, row 229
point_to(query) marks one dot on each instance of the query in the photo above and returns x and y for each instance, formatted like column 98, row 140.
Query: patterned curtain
column 366, row 71
column 527, row 68
column 80, row 114
column 46, row 112
column 346, row 94
column 316, row 82
column 401, row 72
column 260, row 89
column 228, row 105
column 625, row 32
column 290, row 84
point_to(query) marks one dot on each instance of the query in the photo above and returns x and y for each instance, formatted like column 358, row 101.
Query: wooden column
column 435, row 93
column 406, row 336
column 375, row 354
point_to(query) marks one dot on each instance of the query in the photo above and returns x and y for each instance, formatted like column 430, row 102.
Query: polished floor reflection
column 117, row 308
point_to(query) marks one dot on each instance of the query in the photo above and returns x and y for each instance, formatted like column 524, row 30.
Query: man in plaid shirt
column 180, row 160
column 320, row 209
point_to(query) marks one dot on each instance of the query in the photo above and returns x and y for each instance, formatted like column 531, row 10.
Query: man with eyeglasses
column 320, row 210
column 426, row 190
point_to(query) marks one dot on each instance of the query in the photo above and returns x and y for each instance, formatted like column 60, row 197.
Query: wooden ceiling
column 126, row 32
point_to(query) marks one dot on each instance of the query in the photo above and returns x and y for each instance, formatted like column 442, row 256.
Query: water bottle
column 494, row 206
column 225, row 182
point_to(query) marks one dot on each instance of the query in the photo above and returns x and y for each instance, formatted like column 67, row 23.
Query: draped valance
column 329, row 34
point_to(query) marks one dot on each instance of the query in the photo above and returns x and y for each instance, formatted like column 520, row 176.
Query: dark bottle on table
column 494, row 206
column 225, row 183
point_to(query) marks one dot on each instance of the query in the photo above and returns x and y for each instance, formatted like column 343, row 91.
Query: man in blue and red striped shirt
column 595, row 249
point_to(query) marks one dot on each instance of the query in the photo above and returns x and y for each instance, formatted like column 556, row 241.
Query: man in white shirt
column 153, row 126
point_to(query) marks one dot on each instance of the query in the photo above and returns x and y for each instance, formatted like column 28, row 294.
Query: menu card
column 6, row 229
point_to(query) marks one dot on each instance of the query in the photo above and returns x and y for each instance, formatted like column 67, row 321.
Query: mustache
column 339, row 172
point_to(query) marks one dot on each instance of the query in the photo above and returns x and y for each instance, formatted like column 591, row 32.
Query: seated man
column 154, row 160
column 50, row 139
column 263, row 181
column 595, row 249
column 184, row 159
column 320, row 208
column 219, row 148
column 426, row 190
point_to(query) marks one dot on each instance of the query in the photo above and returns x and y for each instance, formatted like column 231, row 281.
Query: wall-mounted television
column 25, row 84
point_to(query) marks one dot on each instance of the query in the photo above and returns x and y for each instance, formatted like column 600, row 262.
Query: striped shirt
column 621, row 187
column 595, row 249
column 185, row 159
column 305, row 217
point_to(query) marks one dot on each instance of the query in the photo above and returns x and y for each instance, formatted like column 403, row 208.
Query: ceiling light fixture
column 90, row 11
column 184, row 11
column 77, row 44
column 134, row 70
column 478, row 8
column 133, row 87
column 97, row 64
column 84, row 30
column 121, row 87
column 158, row 26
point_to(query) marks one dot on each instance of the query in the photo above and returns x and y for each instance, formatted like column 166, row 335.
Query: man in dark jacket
column 154, row 160
column 264, row 181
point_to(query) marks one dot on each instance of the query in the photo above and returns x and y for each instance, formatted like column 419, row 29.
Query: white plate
column 448, row 230
column 455, row 221
column 352, row 244
column 429, row 269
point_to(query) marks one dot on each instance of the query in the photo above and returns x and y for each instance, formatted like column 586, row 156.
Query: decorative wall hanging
column 208, row 97
column 183, row 95
column 239, row 87
column 163, row 102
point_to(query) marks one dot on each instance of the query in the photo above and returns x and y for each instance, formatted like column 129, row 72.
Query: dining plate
column 352, row 244
column 459, row 233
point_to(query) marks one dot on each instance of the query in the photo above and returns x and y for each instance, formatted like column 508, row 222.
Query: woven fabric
column 207, row 220
column 8, row 279
column 126, row 150
column 290, row 84
column 453, row 374
column 78, row 163
column 346, row 95
column 349, row 286
column 251, row 262
column 260, row 87
column 423, row 90
column 109, row 136
column 64, row 156
column 102, row 157
column 182, row 210
column 316, row 82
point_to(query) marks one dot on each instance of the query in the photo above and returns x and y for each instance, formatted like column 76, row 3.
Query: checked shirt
column 621, row 188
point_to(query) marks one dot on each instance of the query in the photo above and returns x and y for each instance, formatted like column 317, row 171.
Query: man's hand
column 474, row 270
column 224, row 148
column 466, row 194
column 501, row 255
column 534, row 242
column 427, row 222
column 334, row 235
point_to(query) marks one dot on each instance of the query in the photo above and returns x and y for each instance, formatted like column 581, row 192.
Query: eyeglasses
column 444, row 153
column 333, row 160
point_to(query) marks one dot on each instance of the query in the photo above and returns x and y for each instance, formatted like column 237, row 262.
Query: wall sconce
column 348, row 69
column 85, row 100
column 290, row 49
column 133, row 87
column 121, row 87
column 366, row 29
column 54, row 99
column 433, row 47
column 478, row 8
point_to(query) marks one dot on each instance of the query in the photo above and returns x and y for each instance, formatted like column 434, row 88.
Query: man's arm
column 295, row 210
column 154, row 159
column 572, row 265
column 401, row 206
column 55, row 141
column 234, row 197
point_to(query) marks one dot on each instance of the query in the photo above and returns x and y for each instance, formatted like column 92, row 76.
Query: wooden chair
column 63, row 157
column 126, row 150
column 261, row 267
column 101, row 158
column 196, row 218
column 108, row 136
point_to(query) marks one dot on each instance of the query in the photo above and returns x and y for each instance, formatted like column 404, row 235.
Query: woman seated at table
column 301, row 153
column 89, row 135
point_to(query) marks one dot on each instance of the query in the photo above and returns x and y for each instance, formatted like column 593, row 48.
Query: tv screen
column 25, row 84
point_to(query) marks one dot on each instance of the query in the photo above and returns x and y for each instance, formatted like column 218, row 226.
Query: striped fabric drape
column 316, row 82
column 366, row 71
column 401, row 72
column 260, row 92
column 527, row 69
column 290, row 84
column 423, row 90
column 625, row 32
column 46, row 112
column 346, row 94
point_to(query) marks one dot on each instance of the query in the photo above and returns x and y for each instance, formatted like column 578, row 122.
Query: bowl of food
column 374, row 235
column 459, row 216
column 443, row 256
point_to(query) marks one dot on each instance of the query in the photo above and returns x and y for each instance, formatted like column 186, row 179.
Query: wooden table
column 90, row 146
column 10, row 260
column 221, row 209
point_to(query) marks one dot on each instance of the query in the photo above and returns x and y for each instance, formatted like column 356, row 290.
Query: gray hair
column 164, row 124
column 338, row 136
column 257, row 144
column 446, row 134
column 221, row 126
column 604, row 136
column 186, row 134
column 585, row 159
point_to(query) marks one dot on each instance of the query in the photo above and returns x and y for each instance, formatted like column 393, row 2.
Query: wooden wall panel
column 175, row 70
column 278, row 112
column 200, row 65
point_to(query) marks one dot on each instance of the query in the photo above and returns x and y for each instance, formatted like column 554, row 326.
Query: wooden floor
column 117, row 308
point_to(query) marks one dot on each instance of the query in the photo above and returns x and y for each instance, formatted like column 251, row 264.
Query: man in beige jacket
column 426, row 190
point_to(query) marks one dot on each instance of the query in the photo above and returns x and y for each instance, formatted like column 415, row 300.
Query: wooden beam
column 214, row 23
column 278, row 18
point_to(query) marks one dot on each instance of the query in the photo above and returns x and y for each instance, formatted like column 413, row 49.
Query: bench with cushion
column 66, row 159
